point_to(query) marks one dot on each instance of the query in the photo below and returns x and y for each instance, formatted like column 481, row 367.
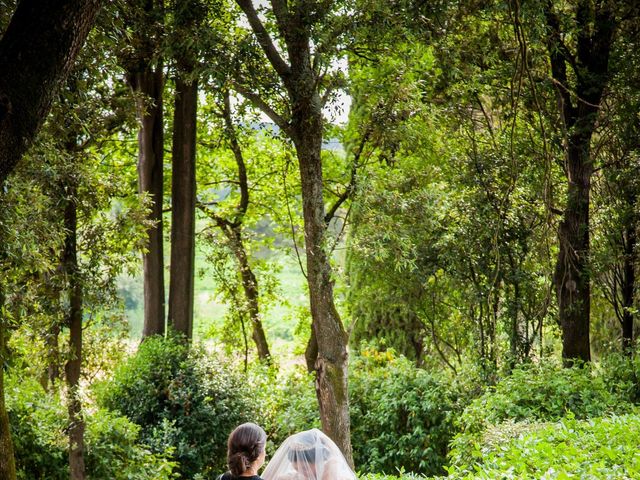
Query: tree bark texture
column 233, row 232
column 594, row 27
column 330, row 337
column 148, row 84
column 251, row 292
column 573, row 284
column 628, row 285
column 73, row 366
column 331, row 363
column 37, row 52
column 305, row 128
column 183, row 204
column 7, row 460
column 53, row 355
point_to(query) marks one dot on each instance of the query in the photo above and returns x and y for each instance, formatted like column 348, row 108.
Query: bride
column 309, row 455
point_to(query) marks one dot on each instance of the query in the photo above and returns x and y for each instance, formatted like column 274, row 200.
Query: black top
column 229, row 476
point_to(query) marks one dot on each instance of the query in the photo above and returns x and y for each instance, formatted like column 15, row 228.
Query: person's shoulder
column 230, row 476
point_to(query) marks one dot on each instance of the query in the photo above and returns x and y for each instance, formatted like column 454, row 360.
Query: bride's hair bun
column 245, row 445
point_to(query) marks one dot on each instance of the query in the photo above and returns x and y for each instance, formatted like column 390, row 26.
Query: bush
column 535, row 393
column 38, row 422
column 621, row 375
column 287, row 401
column 113, row 451
column 182, row 400
column 401, row 416
column 603, row 448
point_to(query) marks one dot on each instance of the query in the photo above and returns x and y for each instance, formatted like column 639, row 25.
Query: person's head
column 310, row 455
column 245, row 448
column 307, row 449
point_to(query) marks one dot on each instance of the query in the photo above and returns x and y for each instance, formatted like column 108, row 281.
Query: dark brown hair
column 245, row 445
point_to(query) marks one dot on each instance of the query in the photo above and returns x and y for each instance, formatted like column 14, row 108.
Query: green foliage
column 39, row 421
column 604, row 448
column 401, row 476
column 534, row 393
column 37, row 424
column 401, row 416
column 113, row 451
column 287, row 401
column 621, row 374
column 182, row 399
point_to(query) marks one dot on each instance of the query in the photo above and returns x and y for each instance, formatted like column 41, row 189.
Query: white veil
column 309, row 455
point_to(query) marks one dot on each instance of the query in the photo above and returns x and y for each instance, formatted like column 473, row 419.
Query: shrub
column 38, row 422
column 401, row 416
column 113, row 451
column 182, row 400
column 603, row 448
column 621, row 375
column 535, row 393
column 287, row 401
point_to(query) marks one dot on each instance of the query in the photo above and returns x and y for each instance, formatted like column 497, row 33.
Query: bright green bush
column 288, row 402
column 38, row 422
column 534, row 393
column 399, row 476
column 401, row 416
column 621, row 375
column 113, row 451
column 183, row 400
column 602, row 448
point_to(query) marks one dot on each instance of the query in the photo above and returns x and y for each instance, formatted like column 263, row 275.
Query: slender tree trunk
column 183, row 205
column 53, row 355
column 148, row 85
column 629, row 286
column 7, row 460
column 251, row 293
column 36, row 53
column 73, row 367
column 233, row 232
column 52, row 291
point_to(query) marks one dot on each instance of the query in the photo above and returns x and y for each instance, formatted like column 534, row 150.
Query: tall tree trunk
column 628, row 286
column 53, row 355
column 183, row 204
column 73, row 367
column 328, row 332
column 573, row 284
column 52, row 334
column 594, row 28
column 233, row 232
column 36, row 53
column 148, row 84
column 302, row 78
column 251, row 292
column 7, row 460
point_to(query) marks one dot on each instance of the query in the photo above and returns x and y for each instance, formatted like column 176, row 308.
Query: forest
column 412, row 224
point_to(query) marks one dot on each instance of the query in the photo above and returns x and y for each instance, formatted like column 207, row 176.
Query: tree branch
column 259, row 103
column 264, row 39
column 348, row 192
column 559, row 56
column 237, row 153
